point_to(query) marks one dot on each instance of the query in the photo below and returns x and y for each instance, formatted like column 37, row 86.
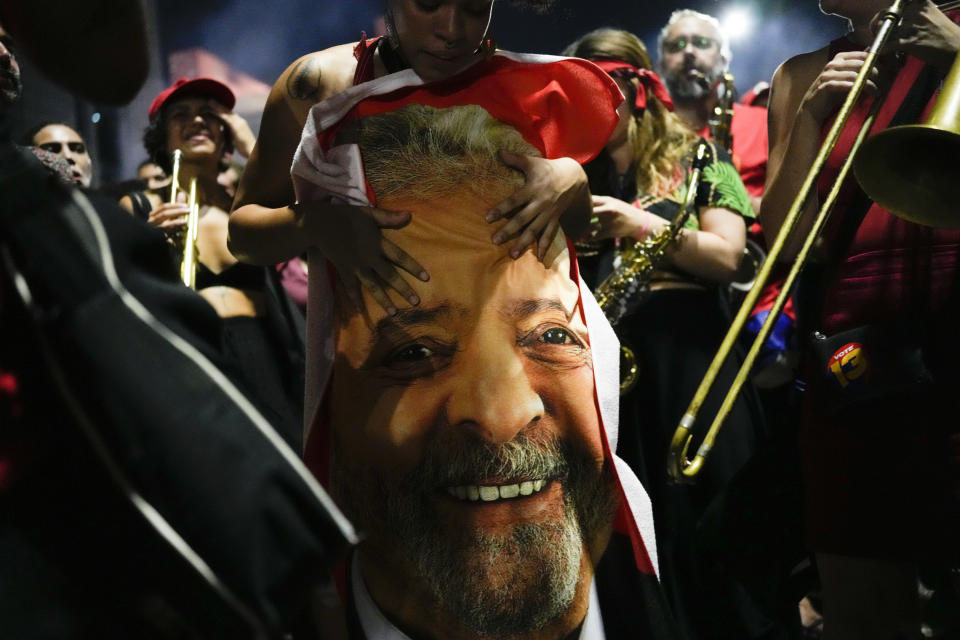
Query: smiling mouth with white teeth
column 492, row 493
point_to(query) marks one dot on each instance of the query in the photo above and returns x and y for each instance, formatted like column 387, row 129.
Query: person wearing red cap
column 262, row 332
column 674, row 330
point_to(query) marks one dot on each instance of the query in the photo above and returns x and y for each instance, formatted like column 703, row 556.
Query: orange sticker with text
column 848, row 363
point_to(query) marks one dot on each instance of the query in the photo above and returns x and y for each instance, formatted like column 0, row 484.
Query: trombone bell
column 911, row 170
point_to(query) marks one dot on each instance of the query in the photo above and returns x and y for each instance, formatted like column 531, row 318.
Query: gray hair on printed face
column 426, row 152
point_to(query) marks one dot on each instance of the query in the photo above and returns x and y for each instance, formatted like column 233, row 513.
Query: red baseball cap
column 204, row 87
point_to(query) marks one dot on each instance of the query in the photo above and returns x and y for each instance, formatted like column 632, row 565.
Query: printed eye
column 415, row 359
column 557, row 335
column 412, row 353
column 555, row 345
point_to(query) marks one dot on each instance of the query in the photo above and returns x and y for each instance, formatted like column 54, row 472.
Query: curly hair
column 658, row 138
column 155, row 142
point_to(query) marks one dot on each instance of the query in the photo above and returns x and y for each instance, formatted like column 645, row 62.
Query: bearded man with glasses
column 694, row 53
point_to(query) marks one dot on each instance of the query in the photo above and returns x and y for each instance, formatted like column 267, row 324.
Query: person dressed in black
column 127, row 458
column 262, row 329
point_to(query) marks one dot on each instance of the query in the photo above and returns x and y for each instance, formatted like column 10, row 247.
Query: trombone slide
column 680, row 469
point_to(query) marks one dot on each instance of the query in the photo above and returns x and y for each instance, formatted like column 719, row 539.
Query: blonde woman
column 638, row 183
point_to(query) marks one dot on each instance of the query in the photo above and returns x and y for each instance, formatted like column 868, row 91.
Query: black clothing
column 140, row 496
column 674, row 333
column 238, row 275
column 265, row 355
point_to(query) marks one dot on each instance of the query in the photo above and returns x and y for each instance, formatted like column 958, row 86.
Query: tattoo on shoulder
column 303, row 82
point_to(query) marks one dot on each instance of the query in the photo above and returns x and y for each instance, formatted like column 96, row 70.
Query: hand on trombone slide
column 831, row 87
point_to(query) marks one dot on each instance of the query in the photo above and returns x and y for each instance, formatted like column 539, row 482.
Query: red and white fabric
column 565, row 107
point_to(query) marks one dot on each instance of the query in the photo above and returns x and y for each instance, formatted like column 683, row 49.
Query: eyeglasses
column 679, row 44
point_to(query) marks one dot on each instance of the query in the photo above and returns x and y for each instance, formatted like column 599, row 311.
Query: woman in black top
column 675, row 327
column 262, row 331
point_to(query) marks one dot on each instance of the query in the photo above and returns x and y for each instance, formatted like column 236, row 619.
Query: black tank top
column 238, row 276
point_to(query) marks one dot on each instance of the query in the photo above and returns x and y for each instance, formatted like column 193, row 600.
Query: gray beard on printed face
column 496, row 585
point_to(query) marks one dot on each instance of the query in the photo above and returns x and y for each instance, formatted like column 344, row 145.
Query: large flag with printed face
column 472, row 436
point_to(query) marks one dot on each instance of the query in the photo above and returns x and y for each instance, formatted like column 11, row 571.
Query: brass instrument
column 911, row 170
column 723, row 114
column 722, row 133
column 679, row 467
column 630, row 279
column 188, row 262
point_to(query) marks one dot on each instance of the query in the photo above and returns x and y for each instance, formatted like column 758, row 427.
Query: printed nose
column 495, row 396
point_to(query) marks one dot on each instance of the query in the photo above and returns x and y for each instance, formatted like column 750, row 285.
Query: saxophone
column 720, row 131
column 630, row 279
column 723, row 114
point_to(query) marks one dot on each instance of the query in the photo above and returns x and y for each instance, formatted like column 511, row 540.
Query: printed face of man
column 466, row 438
column 690, row 58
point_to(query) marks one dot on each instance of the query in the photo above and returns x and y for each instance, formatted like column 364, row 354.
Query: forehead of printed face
column 451, row 239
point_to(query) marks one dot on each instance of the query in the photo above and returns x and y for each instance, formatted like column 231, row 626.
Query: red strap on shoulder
column 363, row 52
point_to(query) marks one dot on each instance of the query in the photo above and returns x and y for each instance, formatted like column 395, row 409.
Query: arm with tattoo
column 266, row 227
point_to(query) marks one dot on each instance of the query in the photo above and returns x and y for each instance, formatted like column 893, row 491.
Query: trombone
column 680, row 468
column 188, row 262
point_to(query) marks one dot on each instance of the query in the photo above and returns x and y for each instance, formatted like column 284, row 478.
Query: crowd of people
column 388, row 404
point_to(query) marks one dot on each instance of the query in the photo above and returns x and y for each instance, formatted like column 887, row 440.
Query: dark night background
column 261, row 37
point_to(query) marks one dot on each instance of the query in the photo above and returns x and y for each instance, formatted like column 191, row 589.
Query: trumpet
column 679, row 467
column 188, row 262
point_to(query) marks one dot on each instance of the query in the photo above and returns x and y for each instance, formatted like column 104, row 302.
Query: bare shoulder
column 307, row 81
column 797, row 73
column 317, row 76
